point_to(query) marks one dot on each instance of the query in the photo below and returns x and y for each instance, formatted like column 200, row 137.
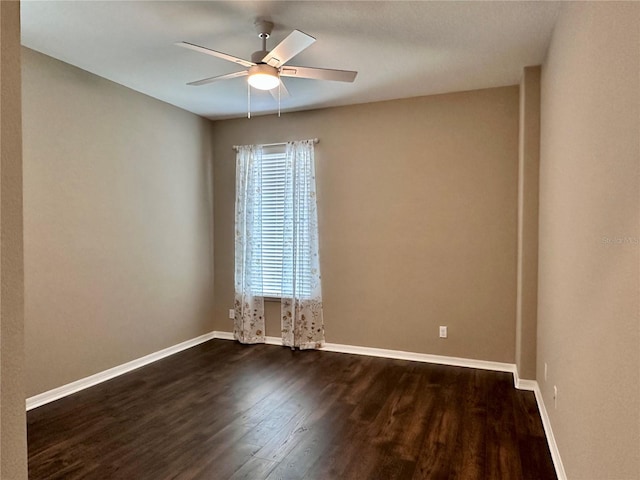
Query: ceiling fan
column 266, row 67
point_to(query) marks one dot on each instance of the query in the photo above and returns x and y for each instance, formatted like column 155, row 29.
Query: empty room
column 319, row 240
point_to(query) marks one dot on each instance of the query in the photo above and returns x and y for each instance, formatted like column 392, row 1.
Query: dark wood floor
column 222, row 410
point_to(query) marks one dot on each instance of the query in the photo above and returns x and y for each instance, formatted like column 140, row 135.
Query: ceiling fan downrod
column 264, row 29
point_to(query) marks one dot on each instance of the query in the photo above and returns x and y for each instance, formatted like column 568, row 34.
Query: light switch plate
column 232, row 313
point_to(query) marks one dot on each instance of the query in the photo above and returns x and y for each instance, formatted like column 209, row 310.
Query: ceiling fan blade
column 318, row 73
column 228, row 76
column 214, row 53
column 284, row 93
column 288, row 48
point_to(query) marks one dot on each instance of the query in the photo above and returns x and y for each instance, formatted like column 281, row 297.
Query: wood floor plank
column 322, row 431
column 253, row 468
column 222, row 410
column 471, row 443
column 502, row 443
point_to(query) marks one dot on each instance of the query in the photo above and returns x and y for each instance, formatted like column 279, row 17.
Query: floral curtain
column 249, row 303
column 301, row 302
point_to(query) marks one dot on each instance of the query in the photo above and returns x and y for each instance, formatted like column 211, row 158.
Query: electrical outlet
column 545, row 371
column 232, row 313
column 443, row 331
column 555, row 397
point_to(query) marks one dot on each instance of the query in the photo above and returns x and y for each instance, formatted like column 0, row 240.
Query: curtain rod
column 235, row 147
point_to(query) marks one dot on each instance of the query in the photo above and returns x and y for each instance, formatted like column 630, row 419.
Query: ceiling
column 400, row 49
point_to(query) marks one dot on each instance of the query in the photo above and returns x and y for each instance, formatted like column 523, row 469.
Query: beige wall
column 13, row 442
column 417, row 212
column 528, row 175
column 588, row 323
column 118, row 260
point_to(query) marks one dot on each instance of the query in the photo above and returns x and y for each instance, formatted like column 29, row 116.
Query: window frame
column 270, row 153
column 274, row 155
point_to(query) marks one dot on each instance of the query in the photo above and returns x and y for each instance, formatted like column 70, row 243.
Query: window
column 273, row 182
column 276, row 243
column 278, row 265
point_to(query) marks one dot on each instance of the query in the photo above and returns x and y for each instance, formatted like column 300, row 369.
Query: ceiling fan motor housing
column 264, row 69
column 256, row 57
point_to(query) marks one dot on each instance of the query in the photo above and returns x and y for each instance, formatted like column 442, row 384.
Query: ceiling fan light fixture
column 263, row 77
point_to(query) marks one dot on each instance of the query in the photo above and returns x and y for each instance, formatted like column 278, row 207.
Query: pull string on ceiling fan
column 249, row 99
column 280, row 85
column 265, row 69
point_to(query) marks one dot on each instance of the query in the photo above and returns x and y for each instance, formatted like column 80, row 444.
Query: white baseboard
column 395, row 354
column 73, row 387
column 551, row 440
column 419, row 357
column 223, row 335
column 531, row 385
column 274, row 341
column 521, row 384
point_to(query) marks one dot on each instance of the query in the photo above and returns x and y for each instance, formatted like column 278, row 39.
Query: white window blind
column 273, row 183
column 275, row 267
